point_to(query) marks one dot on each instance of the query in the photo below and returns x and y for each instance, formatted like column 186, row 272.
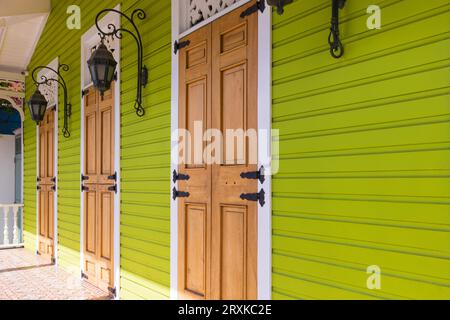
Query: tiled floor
column 26, row 276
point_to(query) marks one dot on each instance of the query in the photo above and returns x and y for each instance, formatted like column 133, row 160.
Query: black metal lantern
column 38, row 105
column 102, row 67
column 101, row 64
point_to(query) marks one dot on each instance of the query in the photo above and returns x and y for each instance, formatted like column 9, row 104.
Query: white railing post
column 15, row 228
column 5, row 227
column 17, row 232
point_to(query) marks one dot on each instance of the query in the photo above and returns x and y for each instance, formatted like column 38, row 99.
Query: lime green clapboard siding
column 145, row 148
column 364, row 152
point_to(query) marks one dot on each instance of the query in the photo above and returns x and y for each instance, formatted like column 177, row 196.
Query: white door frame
column 264, row 153
column 86, row 43
column 54, row 64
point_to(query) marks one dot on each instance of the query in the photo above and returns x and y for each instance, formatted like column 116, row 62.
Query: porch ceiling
column 21, row 24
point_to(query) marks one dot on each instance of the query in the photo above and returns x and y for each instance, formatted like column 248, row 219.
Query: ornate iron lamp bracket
column 117, row 32
column 336, row 47
column 60, row 80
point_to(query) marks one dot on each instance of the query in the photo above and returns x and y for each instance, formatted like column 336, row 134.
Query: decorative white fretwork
column 50, row 90
column 200, row 10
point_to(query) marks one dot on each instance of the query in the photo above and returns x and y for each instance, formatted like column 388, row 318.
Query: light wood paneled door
column 46, row 185
column 217, row 229
column 98, row 185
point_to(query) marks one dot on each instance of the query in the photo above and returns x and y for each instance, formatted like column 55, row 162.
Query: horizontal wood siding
column 145, row 161
column 365, row 157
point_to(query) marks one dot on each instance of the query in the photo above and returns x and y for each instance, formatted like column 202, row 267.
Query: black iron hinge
column 179, row 176
column 113, row 188
column 180, row 45
column 84, row 92
column 53, row 260
column 84, row 178
column 259, row 5
column 260, row 197
column 254, row 175
column 113, row 177
column 84, row 275
column 84, row 188
column 179, row 194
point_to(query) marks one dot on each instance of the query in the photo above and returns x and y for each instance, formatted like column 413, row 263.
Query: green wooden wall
column 145, row 152
column 365, row 153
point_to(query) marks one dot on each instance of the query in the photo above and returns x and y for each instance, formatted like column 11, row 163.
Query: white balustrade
column 6, row 210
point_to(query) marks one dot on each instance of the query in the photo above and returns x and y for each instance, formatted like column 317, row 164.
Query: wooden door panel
column 233, row 252
column 106, row 211
column 43, row 213
column 90, row 221
column 51, row 211
column 91, row 146
column 196, row 117
column 195, row 240
column 106, row 137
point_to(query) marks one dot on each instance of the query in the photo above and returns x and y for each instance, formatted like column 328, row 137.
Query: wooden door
column 99, row 181
column 217, row 229
column 46, row 185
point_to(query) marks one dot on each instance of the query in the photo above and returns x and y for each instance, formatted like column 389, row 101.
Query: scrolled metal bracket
column 142, row 78
column 336, row 47
column 60, row 80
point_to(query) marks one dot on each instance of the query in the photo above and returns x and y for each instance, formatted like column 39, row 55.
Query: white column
column 16, row 229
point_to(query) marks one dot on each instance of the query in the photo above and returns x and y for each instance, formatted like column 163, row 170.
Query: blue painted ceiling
column 9, row 118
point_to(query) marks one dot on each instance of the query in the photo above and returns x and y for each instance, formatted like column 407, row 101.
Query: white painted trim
column 264, row 122
column 85, row 39
column 264, row 156
column 54, row 64
column 174, row 155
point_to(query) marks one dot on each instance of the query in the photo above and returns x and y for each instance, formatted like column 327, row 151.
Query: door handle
column 179, row 176
column 259, row 197
column 179, row 194
column 254, row 175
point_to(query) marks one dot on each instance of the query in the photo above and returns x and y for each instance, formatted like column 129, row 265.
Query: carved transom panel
column 200, row 10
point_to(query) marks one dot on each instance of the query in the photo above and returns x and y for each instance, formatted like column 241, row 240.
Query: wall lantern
column 38, row 104
column 336, row 47
column 102, row 67
column 102, row 64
